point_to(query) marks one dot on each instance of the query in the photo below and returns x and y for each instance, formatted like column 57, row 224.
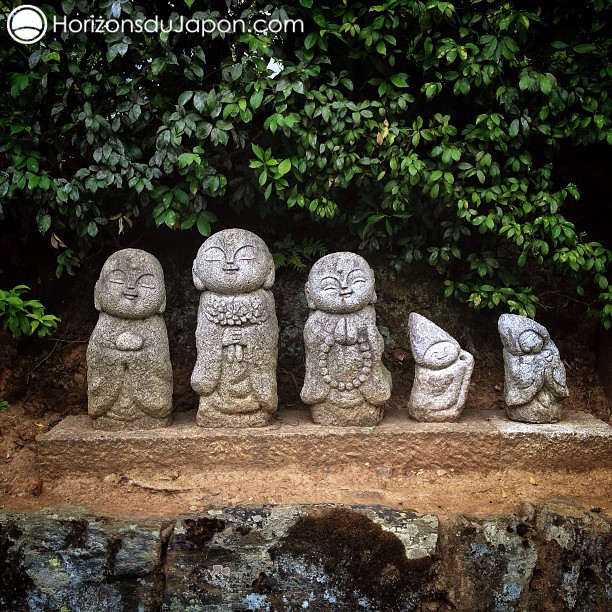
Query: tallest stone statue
column 237, row 332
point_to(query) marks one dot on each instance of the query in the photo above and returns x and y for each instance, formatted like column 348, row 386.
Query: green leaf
column 585, row 48
column 524, row 81
column 44, row 223
column 310, row 40
column 92, row 229
column 284, row 167
column 199, row 101
column 545, row 84
column 189, row 222
column 180, row 196
column 204, row 224
column 32, row 164
column 185, row 97
column 256, row 99
column 399, row 80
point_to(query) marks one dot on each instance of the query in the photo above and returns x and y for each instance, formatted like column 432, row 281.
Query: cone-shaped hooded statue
column 442, row 372
column 129, row 375
column 534, row 375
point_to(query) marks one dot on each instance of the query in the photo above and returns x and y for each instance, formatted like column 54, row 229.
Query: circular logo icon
column 26, row 24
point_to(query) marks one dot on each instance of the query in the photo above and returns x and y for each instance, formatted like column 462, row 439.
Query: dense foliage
column 25, row 317
column 425, row 128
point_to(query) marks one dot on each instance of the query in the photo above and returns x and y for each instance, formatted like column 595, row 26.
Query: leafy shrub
column 21, row 316
column 425, row 128
column 287, row 252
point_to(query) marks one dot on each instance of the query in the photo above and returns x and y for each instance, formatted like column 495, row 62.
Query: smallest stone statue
column 129, row 374
column 442, row 372
column 534, row 375
column 346, row 382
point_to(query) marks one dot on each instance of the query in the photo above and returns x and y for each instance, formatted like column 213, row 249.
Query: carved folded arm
column 207, row 369
column 314, row 390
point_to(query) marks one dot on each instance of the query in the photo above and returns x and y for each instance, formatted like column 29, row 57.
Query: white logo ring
column 26, row 24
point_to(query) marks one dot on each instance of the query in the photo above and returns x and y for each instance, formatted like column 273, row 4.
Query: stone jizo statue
column 534, row 375
column 345, row 382
column 442, row 372
column 237, row 332
column 129, row 373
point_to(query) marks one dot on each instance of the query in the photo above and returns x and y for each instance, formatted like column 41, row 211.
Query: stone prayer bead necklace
column 365, row 354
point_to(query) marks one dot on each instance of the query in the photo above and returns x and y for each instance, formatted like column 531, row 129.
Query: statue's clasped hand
column 129, row 341
column 233, row 342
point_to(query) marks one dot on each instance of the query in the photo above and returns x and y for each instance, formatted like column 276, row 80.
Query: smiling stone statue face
column 232, row 262
column 131, row 285
column 441, row 355
column 340, row 283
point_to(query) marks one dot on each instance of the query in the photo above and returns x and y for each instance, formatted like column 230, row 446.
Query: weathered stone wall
column 554, row 557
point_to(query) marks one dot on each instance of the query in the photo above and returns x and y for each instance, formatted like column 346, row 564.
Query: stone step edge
column 480, row 441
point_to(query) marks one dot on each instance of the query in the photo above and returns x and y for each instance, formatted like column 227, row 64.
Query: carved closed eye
column 214, row 254
column 329, row 284
column 147, row 281
column 118, row 277
column 245, row 253
column 356, row 277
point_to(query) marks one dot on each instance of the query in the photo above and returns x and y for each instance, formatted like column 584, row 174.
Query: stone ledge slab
column 579, row 442
column 482, row 440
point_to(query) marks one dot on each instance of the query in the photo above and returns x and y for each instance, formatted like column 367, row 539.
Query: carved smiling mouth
column 231, row 270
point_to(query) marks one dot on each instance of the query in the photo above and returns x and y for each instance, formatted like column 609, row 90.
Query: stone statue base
column 427, row 415
column 145, row 422
column 534, row 412
column 209, row 416
column 362, row 415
